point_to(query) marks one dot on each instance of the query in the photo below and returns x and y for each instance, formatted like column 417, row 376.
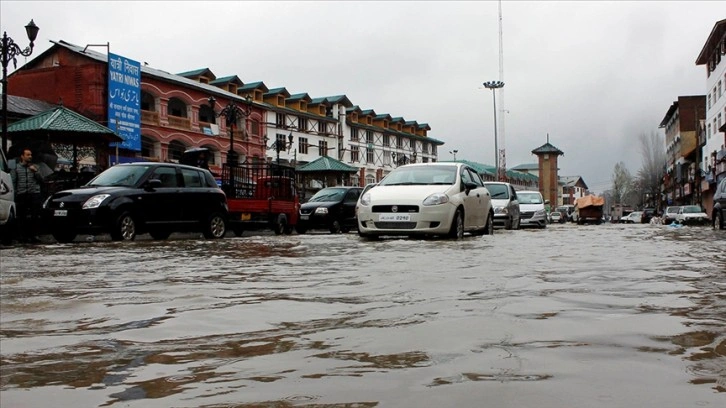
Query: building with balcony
column 682, row 180
column 176, row 115
column 712, row 137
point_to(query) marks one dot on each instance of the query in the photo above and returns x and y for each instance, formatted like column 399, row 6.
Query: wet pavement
column 569, row 316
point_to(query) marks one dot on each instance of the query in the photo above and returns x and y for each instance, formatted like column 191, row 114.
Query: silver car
column 505, row 203
column 427, row 199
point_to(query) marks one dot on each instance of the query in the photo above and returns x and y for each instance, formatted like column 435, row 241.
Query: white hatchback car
column 427, row 199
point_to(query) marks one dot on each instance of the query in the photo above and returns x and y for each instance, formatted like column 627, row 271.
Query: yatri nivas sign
column 124, row 100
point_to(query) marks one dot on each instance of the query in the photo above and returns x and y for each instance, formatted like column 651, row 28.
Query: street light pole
column 232, row 113
column 10, row 51
column 494, row 85
column 454, row 153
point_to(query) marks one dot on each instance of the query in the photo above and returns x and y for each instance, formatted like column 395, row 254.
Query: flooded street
column 570, row 316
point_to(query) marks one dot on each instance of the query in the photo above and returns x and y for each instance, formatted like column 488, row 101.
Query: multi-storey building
column 176, row 114
column 713, row 137
column 682, row 180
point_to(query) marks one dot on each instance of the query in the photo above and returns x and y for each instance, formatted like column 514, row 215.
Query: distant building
column 548, row 179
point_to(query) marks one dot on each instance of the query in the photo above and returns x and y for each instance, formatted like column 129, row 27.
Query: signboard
column 124, row 101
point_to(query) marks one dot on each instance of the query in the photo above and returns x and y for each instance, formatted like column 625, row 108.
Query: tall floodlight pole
column 494, row 85
column 10, row 51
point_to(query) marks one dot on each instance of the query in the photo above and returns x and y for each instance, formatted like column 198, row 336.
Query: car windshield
column 691, row 209
column 672, row 210
column 420, row 175
column 127, row 176
column 498, row 190
column 529, row 198
column 328, row 194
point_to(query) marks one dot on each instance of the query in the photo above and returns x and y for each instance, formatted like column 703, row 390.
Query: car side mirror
column 152, row 184
column 469, row 186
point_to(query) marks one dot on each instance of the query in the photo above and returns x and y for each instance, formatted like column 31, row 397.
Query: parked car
column 532, row 209
column 556, row 217
column 566, row 210
column 130, row 199
column 332, row 208
column 427, row 199
column 669, row 215
column 718, row 215
column 505, row 203
column 692, row 214
column 7, row 202
column 635, row 217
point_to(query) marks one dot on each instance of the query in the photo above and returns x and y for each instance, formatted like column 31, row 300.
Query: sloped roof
column 712, row 42
column 225, row 80
column 22, row 106
column 547, row 148
column 300, row 96
column 197, row 73
column 326, row 164
column 340, row 99
column 276, row 91
column 253, row 85
column 526, row 166
column 61, row 122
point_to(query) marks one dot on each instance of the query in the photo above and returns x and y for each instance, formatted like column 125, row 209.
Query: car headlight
column 541, row 212
column 436, row 199
column 366, row 199
column 95, row 201
column 501, row 210
column 321, row 210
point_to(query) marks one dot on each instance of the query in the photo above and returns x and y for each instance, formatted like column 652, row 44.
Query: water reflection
column 322, row 320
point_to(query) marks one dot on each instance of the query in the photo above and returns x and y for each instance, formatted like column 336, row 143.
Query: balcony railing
column 149, row 117
column 182, row 123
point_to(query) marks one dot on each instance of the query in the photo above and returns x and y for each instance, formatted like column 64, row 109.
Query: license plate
column 304, row 217
column 394, row 217
column 245, row 217
column 60, row 213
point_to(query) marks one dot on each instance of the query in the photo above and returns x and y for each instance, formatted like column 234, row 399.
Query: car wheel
column 718, row 221
column 489, row 230
column 335, row 227
column 215, row 227
column 457, row 225
column 64, row 237
column 509, row 223
column 159, row 234
column 238, row 230
column 125, row 228
column 288, row 229
column 280, row 224
column 518, row 224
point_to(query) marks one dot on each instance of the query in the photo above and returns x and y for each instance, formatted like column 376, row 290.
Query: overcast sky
column 592, row 75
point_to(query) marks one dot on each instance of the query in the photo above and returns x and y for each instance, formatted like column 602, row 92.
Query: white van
column 7, row 202
column 532, row 209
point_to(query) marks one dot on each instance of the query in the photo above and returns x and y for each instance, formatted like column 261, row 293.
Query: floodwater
column 570, row 316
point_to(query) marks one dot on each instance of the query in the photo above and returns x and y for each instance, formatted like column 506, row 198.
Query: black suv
column 648, row 214
column 332, row 208
column 718, row 215
column 134, row 198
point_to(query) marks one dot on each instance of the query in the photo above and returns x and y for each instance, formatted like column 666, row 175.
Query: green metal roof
column 253, row 85
column 196, row 73
column 326, row 164
column 59, row 119
column 547, row 148
column 225, row 80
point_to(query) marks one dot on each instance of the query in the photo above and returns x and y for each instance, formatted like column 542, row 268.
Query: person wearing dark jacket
column 27, row 181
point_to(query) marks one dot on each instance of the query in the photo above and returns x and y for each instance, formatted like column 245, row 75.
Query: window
column 167, row 176
column 302, row 123
column 719, row 120
column 354, row 154
column 386, row 158
column 206, row 114
column 323, row 147
column 354, row 135
column 386, row 140
column 708, row 100
column 280, row 120
column 322, row 127
column 147, row 101
column 147, row 147
column 302, row 145
column 369, row 155
column 719, row 89
column 192, row 178
column 255, row 128
column 399, row 142
column 177, row 108
column 369, row 136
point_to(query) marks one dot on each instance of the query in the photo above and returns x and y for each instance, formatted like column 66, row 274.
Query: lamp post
column 454, row 153
column 232, row 113
column 10, row 51
column 494, row 85
column 280, row 145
